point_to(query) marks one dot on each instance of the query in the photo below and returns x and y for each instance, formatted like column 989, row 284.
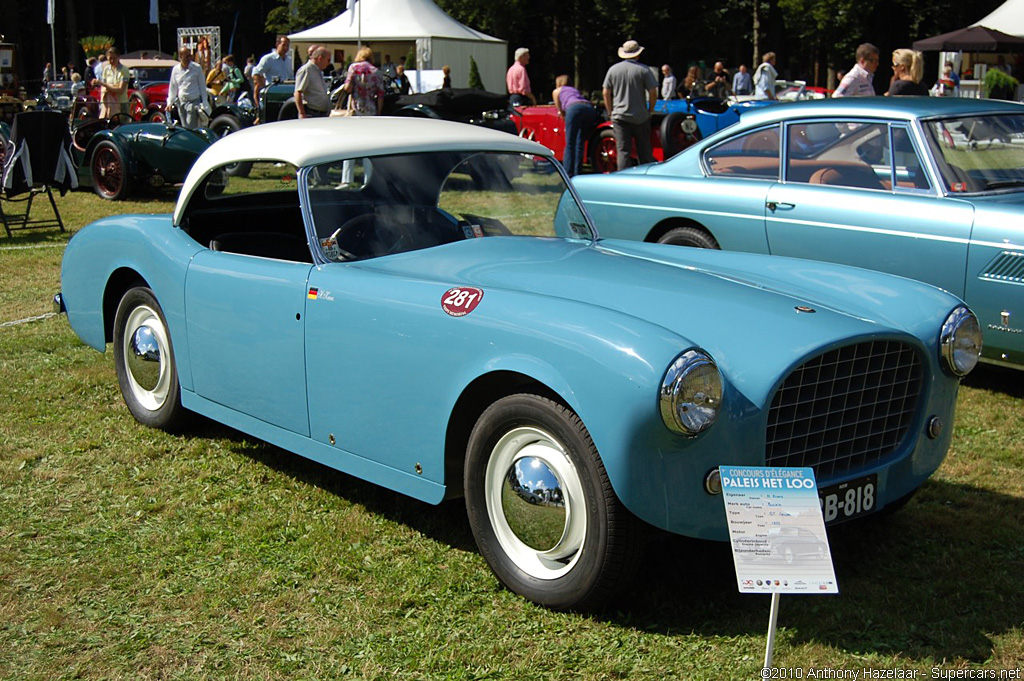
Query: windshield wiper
column 999, row 184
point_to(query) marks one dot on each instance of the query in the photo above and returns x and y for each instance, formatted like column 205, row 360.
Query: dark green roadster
column 116, row 156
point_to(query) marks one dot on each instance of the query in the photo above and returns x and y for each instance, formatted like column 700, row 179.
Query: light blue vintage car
column 925, row 187
column 418, row 303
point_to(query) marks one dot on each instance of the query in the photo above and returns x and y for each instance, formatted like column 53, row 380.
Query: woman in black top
column 907, row 68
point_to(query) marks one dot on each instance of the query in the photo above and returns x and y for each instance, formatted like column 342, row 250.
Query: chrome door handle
column 772, row 205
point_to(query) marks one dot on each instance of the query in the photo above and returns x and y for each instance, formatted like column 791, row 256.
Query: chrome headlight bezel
column 690, row 396
column 960, row 341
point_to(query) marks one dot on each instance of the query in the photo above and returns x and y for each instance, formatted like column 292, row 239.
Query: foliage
column 95, row 45
column 296, row 15
column 474, row 75
column 1000, row 85
column 410, row 59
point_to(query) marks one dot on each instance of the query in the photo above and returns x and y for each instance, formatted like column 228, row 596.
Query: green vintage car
column 117, row 156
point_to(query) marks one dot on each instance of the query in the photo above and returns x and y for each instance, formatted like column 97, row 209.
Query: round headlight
column 960, row 341
column 691, row 393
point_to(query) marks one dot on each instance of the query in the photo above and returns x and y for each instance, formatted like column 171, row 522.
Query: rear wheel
column 694, row 237
column 109, row 175
column 604, row 154
column 289, row 112
column 541, row 506
column 222, row 126
column 144, row 360
column 678, row 131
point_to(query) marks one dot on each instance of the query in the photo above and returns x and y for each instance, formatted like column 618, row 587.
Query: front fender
column 117, row 249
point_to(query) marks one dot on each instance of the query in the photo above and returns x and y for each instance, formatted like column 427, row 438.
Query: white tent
column 393, row 27
column 1008, row 18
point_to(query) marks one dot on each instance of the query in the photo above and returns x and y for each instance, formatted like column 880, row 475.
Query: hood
column 750, row 312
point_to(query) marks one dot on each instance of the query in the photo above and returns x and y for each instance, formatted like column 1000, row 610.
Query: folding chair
column 36, row 158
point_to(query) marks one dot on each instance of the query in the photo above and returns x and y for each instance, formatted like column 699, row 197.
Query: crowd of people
column 631, row 89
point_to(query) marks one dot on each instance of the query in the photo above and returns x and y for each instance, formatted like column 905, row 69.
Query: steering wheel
column 120, row 118
column 379, row 237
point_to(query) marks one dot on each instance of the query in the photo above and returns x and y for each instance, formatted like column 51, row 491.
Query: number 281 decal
column 461, row 300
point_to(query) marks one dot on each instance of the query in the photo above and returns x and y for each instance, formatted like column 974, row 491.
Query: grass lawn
column 128, row 553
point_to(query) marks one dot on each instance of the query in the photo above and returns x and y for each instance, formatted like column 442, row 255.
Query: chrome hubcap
column 535, row 503
column 145, row 357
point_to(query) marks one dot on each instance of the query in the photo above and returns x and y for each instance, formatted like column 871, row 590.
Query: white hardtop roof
column 149, row 63
column 382, row 20
column 308, row 142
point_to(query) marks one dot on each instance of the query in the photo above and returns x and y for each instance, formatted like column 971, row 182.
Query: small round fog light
column 934, row 427
column 713, row 482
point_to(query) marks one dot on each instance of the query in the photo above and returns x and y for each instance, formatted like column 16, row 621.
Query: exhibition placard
column 777, row 530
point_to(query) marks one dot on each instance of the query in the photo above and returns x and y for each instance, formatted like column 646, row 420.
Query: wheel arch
column 668, row 224
column 471, row 404
column 120, row 282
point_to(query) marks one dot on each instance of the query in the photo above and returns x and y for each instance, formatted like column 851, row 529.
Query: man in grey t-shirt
column 630, row 91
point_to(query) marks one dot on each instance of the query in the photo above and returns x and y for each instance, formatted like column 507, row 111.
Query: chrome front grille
column 845, row 409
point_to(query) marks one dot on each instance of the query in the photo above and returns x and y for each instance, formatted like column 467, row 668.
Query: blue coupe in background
column 927, row 188
column 423, row 305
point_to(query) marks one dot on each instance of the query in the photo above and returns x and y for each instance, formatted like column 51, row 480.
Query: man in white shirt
column 668, row 85
column 275, row 64
column 187, row 89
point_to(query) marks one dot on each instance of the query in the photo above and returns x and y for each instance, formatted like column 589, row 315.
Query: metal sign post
column 773, row 619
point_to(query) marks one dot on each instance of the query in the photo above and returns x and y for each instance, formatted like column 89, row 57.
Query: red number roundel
column 461, row 300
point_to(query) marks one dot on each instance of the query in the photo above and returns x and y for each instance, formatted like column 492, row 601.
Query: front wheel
column 144, row 361
column 109, row 175
column 541, row 507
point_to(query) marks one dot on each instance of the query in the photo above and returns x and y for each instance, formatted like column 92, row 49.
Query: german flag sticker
column 313, row 290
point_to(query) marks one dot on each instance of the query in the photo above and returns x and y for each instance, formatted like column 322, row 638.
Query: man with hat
column 630, row 91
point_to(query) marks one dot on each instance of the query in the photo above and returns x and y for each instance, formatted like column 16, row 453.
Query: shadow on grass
column 933, row 581
column 996, row 379
column 445, row 523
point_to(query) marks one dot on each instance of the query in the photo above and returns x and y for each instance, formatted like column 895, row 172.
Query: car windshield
column 979, row 153
column 152, row 74
column 369, row 207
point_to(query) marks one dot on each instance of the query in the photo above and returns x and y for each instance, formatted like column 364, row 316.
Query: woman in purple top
column 580, row 120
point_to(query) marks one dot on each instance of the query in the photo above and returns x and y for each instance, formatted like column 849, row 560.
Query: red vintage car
column 147, row 93
column 543, row 124
column 676, row 125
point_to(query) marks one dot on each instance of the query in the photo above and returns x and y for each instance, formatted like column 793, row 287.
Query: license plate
column 848, row 500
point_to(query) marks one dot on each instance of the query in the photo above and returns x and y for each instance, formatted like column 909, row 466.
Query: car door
column 858, row 193
column 245, row 319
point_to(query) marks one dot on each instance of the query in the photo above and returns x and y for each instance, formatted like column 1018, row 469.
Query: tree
column 474, row 75
column 296, row 15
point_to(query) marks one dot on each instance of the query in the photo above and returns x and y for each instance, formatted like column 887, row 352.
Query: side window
column 250, row 209
column 753, row 154
column 839, row 154
column 907, row 165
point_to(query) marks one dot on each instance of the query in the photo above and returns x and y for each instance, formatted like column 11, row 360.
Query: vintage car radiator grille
column 1007, row 266
column 845, row 409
